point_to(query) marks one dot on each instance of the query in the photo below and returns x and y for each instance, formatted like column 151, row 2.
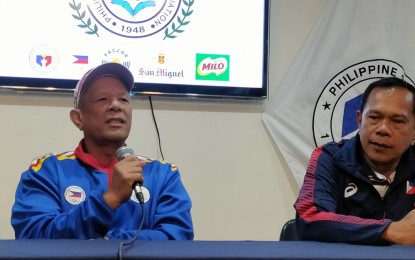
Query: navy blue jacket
column 338, row 203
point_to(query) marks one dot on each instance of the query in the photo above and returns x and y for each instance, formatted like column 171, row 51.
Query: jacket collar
column 91, row 161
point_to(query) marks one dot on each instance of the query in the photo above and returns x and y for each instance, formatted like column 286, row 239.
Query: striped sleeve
column 316, row 208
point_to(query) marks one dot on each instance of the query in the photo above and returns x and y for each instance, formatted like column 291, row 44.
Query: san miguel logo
column 334, row 114
column 133, row 18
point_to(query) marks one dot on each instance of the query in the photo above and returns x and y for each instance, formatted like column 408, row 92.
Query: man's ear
column 76, row 117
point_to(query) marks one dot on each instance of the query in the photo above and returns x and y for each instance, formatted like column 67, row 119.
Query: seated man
column 362, row 190
column 87, row 194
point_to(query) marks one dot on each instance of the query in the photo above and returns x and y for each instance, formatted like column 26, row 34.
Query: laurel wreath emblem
column 81, row 17
column 180, row 21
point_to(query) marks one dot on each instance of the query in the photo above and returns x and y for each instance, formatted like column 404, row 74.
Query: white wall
column 239, row 183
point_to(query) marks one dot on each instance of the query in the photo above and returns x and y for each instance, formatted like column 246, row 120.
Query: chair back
column 289, row 231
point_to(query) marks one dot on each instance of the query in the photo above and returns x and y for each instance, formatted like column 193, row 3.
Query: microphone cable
column 140, row 198
column 155, row 124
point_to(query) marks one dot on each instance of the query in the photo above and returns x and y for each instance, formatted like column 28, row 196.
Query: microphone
column 121, row 153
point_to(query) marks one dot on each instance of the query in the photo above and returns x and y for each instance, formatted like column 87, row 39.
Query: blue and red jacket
column 338, row 203
column 61, row 196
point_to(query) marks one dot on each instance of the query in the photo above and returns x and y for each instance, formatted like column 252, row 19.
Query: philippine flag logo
column 410, row 187
column 74, row 195
column 81, row 59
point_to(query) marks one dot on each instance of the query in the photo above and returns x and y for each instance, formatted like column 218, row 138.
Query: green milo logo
column 212, row 67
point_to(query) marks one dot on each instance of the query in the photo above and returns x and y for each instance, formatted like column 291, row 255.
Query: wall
column 239, row 183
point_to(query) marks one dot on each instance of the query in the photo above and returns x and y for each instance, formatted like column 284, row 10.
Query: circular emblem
column 146, row 195
column 74, row 195
column 43, row 58
column 117, row 55
column 132, row 18
column 334, row 114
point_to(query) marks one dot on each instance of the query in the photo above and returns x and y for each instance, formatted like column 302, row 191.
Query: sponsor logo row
column 216, row 67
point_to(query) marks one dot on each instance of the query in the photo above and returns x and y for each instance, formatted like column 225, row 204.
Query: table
column 103, row 249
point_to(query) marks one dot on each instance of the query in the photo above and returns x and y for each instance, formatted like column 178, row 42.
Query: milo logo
column 212, row 67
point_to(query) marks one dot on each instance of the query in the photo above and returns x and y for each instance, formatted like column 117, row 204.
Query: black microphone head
column 124, row 151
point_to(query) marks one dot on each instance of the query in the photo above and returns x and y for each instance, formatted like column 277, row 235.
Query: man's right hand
column 126, row 172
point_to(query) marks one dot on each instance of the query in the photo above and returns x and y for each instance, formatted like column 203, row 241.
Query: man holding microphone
column 88, row 193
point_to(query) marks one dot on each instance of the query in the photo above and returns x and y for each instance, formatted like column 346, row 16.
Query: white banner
column 353, row 43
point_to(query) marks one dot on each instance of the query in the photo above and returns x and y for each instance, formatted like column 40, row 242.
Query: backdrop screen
column 178, row 48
